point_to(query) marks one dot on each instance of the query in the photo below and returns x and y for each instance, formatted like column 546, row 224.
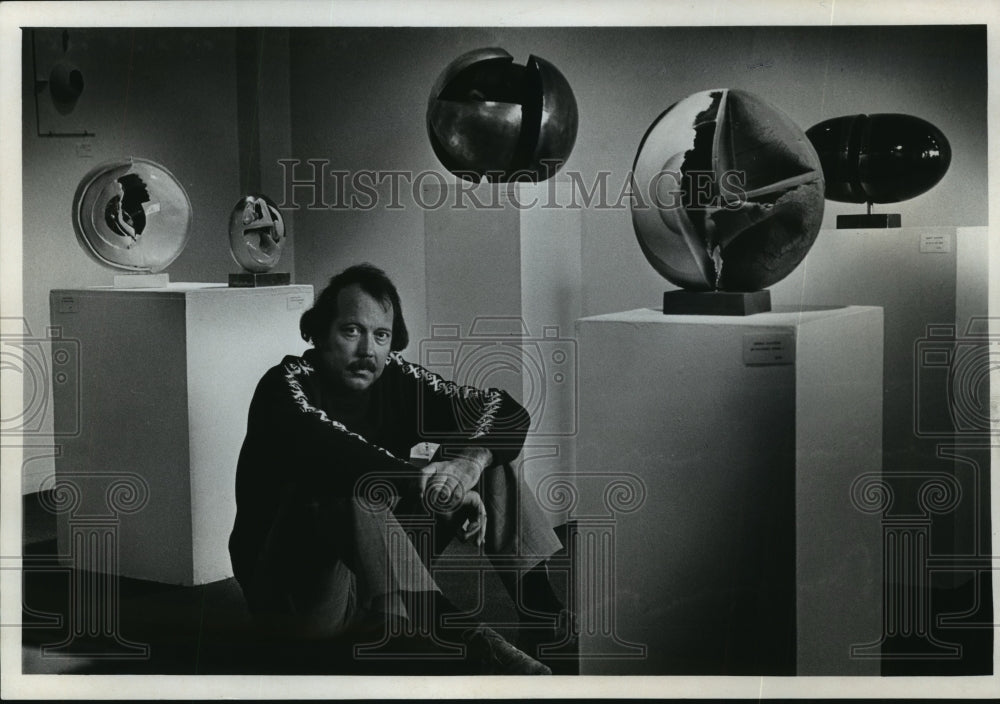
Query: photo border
column 433, row 13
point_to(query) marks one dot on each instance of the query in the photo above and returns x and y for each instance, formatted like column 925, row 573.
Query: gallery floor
column 205, row 630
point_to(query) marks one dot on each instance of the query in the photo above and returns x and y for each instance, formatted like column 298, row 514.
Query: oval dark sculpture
column 882, row 158
column 727, row 193
column 488, row 117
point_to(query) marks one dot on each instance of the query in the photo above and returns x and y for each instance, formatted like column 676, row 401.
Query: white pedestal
column 732, row 545
column 930, row 277
column 165, row 378
column 503, row 279
column 932, row 283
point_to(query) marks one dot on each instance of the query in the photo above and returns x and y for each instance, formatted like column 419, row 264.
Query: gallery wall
column 169, row 95
column 211, row 104
column 359, row 98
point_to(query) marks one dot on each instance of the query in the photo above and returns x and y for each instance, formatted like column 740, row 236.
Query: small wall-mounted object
column 59, row 84
column 132, row 215
column 727, row 200
column 490, row 118
column 882, row 158
column 65, row 83
column 256, row 237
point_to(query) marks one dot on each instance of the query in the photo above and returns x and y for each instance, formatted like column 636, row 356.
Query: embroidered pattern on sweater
column 490, row 398
column 293, row 370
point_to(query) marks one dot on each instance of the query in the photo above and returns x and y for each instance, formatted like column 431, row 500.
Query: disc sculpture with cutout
column 132, row 214
column 488, row 117
column 728, row 193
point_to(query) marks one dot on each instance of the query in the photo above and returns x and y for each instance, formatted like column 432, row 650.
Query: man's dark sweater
column 302, row 433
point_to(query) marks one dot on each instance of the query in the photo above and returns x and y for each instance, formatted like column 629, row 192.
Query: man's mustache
column 362, row 365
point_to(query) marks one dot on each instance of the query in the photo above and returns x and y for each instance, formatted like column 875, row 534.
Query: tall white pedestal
column 932, row 283
column 715, row 527
column 503, row 279
column 925, row 279
column 165, row 378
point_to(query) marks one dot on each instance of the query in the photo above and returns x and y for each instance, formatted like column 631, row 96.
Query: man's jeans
column 330, row 562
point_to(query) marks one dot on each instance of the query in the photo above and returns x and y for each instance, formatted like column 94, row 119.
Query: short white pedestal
column 732, row 544
column 165, row 378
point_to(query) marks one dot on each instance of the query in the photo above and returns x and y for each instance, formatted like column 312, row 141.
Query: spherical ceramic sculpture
column 883, row 158
column 489, row 117
column 132, row 214
column 727, row 193
column 256, row 233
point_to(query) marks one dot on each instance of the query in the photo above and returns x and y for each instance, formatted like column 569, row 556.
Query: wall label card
column 931, row 242
column 67, row 304
column 768, row 348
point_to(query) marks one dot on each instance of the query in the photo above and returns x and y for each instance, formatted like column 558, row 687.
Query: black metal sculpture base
column 248, row 280
column 716, row 302
column 871, row 220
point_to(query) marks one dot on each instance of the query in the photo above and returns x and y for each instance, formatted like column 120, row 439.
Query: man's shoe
column 496, row 656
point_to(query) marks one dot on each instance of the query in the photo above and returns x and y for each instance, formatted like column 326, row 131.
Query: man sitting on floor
column 316, row 556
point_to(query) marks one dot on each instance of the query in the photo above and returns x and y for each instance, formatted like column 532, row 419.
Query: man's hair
column 314, row 325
